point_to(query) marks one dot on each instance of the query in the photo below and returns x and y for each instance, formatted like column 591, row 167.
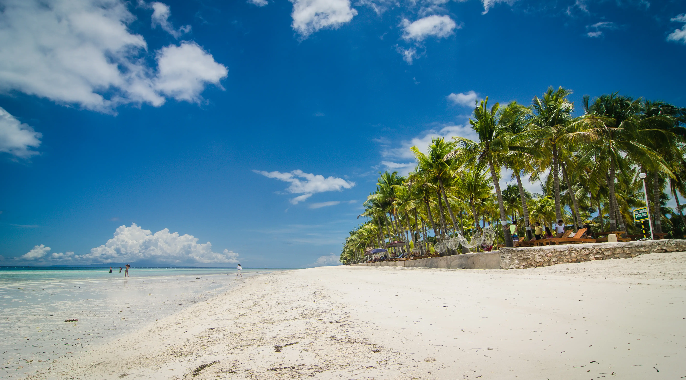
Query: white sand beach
column 622, row 319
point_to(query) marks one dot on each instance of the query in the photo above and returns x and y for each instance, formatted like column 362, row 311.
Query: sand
column 33, row 313
column 621, row 319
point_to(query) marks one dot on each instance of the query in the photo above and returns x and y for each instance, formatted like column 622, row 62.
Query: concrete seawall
column 519, row 258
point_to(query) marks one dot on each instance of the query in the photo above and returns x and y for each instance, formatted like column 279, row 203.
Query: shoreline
column 45, row 320
column 622, row 318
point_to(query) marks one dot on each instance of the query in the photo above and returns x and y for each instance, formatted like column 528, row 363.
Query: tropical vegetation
column 588, row 167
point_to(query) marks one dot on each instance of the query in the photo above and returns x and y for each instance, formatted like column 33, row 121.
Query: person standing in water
column 110, row 269
column 126, row 272
column 240, row 271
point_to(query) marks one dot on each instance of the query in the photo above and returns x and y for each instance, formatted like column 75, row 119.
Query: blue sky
column 208, row 132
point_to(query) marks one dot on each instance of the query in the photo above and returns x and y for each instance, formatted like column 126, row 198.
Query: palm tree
column 611, row 130
column 551, row 121
column 515, row 120
column 491, row 145
column 660, row 127
column 435, row 167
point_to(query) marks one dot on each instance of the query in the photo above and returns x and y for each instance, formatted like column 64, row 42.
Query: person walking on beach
column 126, row 272
column 240, row 271
column 560, row 228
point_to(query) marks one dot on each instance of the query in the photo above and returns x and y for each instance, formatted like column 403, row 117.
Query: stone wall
column 518, row 258
column 486, row 260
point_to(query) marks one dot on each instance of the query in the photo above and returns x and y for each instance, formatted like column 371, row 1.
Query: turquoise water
column 37, row 303
column 9, row 274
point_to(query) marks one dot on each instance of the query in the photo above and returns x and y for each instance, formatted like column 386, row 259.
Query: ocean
column 51, row 313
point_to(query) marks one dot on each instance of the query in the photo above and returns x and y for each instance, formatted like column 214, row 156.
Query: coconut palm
column 435, row 167
column 550, row 126
column 492, row 145
column 612, row 129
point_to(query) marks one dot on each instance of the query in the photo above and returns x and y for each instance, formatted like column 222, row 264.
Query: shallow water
column 36, row 303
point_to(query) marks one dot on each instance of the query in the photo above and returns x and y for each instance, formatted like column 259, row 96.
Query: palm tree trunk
column 525, row 209
column 425, row 244
column 611, row 196
column 431, row 218
column 476, row 217
column 411, row 232
column 395, row 223
column 657, row 212
column 450, row 210
column 600, row 214
column 501, row 206
column 440, row 213
column 570, row 190
column 556, row 184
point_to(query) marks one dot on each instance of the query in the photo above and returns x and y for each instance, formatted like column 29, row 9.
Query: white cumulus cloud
column 679, row 35
column 17, row 138
column 160, row 17
column 310, row 16
column 37, row 252
column 401, row 150
column 436, row 26
column 259, row 3
column 134, row 244
column 465, row 99
column 330, row 259
column 184, row 70
column 307, row 183
column 82, row 52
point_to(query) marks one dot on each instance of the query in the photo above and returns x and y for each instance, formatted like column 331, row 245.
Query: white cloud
column 307, row 184
column 160, row 17
column 310, row 16
column 679, row 35
column 300, row 198
column 401, row 150
column 437, row 26
column 596, row 30
column 578, row 4
column 259, row 3
column 408, row 54
column 331, row 259
column 17, row 138
column 488, row 4
column 68, row 256
column 379, row 6
column 37, row 252
column 466, row 99
column 324, row 204
column 82, row 53
column 402, row 168
column 134, row 244
column 184, row 70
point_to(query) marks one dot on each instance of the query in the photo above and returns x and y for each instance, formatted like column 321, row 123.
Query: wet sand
column 622, row 319
column 34, row 314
